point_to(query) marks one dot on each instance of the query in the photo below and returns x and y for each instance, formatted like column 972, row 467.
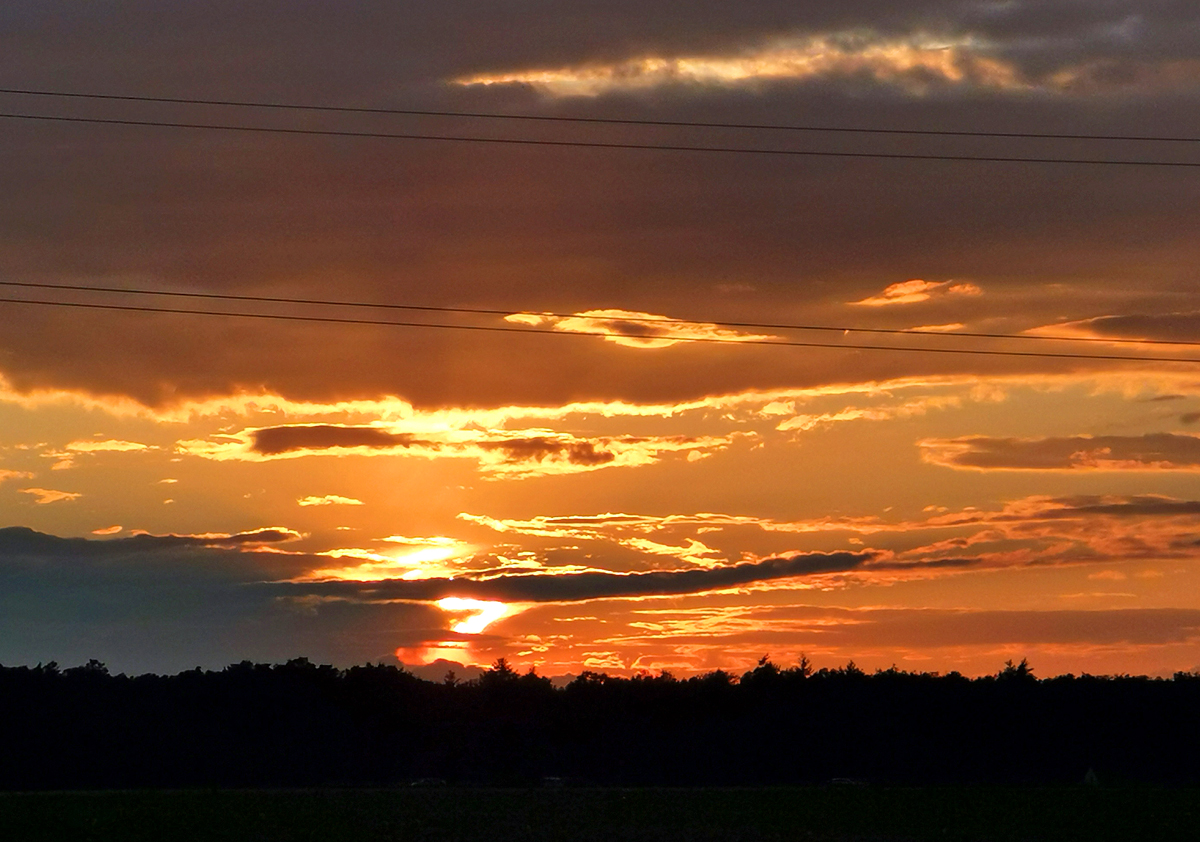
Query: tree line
column 301, row 724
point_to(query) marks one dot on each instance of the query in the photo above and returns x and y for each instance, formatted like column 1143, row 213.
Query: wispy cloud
column 915, row 291
column 606, row 526
column 66, row 456
column 587, row 585
column 634, row 329
column 410, row 558
column 108, row 446
column 46, row 496
column 914, row 64
column 1158, row 327
column 19, row 540
column 329, row 500
column 1029, row 532
column 805, row 422
column 1150, row 452
column 514, row 454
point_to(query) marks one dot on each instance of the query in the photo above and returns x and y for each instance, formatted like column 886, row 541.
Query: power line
column 480, row 311
column 615, row 121
column 498, row 329
column 587, row 144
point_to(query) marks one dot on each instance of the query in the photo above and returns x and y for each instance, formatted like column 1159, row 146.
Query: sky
column 647, row 424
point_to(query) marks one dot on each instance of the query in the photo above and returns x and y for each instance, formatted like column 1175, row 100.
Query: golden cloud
column 1149, row 452
column 915, row 291
column 634, row 329
column 512, row 454
column 108, row 446
column 804, row 423
column 914, row 64
column 329, row 500
column 46, row 496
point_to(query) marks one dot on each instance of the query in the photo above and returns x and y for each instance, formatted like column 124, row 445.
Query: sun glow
column 483, row 613
column 424, row 560
column 454, row 651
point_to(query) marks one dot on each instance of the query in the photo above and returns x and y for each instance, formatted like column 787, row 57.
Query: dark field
column 495, row 815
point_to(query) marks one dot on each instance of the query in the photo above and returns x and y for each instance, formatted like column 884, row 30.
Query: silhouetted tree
column 304, row 724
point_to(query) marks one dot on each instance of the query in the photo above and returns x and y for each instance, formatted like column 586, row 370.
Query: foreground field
column 611, row 815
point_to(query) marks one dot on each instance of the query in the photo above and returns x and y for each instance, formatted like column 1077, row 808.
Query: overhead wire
column 615, row 121
column 588, row 144
column 844, row 329
column 855, row 346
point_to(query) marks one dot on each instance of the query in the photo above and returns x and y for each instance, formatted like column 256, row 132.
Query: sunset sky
column 645, row 468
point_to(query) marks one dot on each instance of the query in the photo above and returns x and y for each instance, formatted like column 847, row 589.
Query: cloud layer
column 588, row 585
column 1150, row 452
column 501, row 453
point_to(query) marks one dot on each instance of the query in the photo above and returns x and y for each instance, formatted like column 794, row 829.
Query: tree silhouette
column 304, row 724
column 1016, row 672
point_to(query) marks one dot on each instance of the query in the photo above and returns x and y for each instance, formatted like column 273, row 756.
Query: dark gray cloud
column 272, row 441
column 576, row 587
column 166, row 603
column 1144, row 505
column 275, row 441
column 20, row 541
column 539, row 448
column 1153, row 451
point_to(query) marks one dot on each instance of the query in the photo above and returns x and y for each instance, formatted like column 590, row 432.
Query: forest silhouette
column 301, row 724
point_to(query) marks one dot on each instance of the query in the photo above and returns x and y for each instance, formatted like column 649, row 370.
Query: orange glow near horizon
column 455, row 651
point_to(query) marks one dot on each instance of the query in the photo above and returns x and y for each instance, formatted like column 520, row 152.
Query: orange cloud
column 913, row 64
column 108, row 446
column 513, row 454
column 1152, row 328
column 1033, row 531
column 418, row 558
column 916, row 291
column 634, row 329
column 804, row 423
column 48, row 495
column 1150, row 452
column 579, row 586
column 611, row 526
column 329, row 500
